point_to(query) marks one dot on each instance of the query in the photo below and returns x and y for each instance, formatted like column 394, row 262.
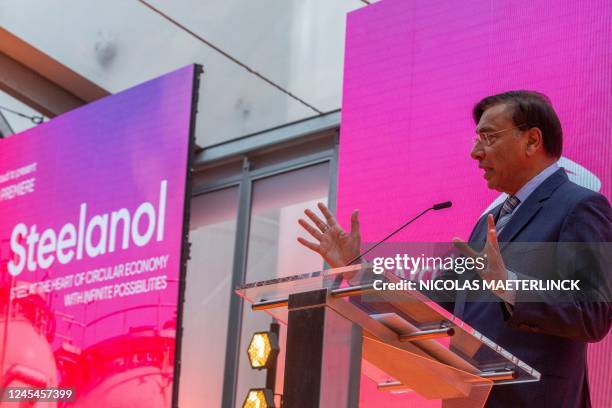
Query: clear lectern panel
column 396, row 323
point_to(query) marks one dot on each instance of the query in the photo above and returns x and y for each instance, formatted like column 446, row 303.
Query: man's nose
column 477, row 152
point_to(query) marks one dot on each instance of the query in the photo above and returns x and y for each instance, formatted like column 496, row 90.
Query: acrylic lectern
column 340, row 325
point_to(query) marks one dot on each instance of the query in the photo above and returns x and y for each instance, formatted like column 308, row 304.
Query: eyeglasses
column 488, row 138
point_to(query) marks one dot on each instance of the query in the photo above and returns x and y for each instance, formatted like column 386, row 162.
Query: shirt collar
column 535, row 182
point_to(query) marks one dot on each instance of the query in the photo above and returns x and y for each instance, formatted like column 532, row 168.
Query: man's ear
column 535, row 141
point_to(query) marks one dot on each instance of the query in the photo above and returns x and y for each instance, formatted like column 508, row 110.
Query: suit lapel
column 531, row 206
column 518, row 221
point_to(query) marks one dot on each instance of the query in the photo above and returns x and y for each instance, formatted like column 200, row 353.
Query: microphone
column 435, row 207
column 443, row 205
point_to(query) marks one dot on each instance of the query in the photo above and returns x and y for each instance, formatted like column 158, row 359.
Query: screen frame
column 198, row 70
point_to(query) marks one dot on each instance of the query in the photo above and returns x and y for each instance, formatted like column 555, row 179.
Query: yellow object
column 257, row 399
column 259, row 350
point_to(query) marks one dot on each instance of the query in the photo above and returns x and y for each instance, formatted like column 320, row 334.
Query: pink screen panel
column 91, row 229
column 414, row 70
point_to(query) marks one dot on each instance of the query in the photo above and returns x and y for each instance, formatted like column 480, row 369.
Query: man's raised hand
column 332, row 242
column 495, row 268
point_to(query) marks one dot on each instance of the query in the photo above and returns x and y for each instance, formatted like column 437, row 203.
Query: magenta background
column 413, row 71
column 112, row 153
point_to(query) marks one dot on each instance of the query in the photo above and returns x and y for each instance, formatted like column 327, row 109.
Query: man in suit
column 518, row 143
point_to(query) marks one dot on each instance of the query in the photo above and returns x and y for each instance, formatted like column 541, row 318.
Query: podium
column 340, row 324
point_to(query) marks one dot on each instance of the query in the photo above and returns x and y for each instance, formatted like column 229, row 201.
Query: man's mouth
column 487, row 171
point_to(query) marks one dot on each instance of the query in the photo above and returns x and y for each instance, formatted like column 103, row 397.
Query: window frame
column 280, row 144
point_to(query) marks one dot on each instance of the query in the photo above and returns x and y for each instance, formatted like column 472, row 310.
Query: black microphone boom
column 439, row 206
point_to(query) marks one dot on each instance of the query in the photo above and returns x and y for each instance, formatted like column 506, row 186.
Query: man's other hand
column 495, row 268
column 335, row 246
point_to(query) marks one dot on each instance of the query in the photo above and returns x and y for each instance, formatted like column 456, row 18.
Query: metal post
column 271, row 370
column 230, row 376
column 323, row 355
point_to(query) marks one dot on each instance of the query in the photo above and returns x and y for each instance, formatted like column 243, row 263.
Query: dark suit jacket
column 549, row 335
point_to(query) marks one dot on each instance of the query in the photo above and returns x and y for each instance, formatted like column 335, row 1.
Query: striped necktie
column 506, row 212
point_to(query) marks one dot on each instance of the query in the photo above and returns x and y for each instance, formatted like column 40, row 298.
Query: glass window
column 207, row 297
column 277, row 203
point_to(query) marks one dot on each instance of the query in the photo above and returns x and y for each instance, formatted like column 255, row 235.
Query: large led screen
column 92, row 231
column 413, row 72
